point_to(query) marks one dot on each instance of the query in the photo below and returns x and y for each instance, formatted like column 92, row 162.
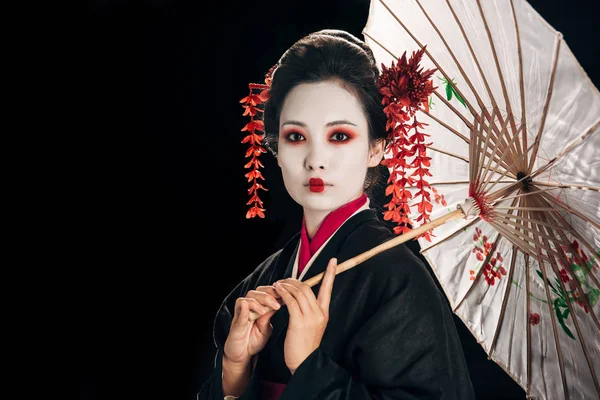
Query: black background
column 167, row 215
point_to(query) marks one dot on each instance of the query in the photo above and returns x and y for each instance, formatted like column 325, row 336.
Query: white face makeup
column 323, row 133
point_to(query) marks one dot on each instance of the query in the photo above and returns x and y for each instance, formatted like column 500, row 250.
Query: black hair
column 329, row 55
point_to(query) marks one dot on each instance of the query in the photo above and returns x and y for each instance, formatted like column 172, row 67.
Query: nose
column 316, row 159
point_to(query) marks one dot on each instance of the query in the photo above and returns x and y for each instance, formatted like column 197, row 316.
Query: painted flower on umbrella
column 406, row 87
column 534, row 318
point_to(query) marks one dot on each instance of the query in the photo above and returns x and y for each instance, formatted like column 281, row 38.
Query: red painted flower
column 534, row 318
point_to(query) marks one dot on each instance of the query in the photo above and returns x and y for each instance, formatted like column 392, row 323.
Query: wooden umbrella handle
column 354, row 261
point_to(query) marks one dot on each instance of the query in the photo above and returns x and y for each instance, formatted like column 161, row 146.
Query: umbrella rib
column 567, row 186
column 504, row 300
column 452, row 108
column 450, row 236
column 521, row 83
column 546, row 104
column 570, row 147
column 448, row 153
column 570, row 210
column 515, row 238
column 445, row 125
column 525, row 194
column 459, row 182
column 553, row 320
column 482, row 154
column 439, row 67
column 527, row 317
column 499, row 70
column 511, row 216
column 517, row 160
column 461, row 70
column 507, row 168
column 472, row 154
column 483, row 76
column 573, row 232
column 485, row 175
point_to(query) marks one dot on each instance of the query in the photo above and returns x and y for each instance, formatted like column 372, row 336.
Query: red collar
column 330, row 224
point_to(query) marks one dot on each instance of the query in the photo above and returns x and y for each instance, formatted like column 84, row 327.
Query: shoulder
column 395, row 268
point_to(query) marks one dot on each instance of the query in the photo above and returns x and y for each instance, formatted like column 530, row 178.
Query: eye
column 339, row 137
column 294, row 137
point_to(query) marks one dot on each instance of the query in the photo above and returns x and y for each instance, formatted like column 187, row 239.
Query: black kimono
column 390, row 333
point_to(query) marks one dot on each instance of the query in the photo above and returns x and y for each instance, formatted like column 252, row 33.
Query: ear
column 376, row 153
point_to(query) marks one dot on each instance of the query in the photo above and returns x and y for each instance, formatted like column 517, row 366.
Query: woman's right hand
column 247, row 338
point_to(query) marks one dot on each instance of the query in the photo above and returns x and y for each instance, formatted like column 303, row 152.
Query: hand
column 246, row 338
column 308, row 315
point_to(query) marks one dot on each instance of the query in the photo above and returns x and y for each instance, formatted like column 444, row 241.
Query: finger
column 288, row 299
column 241, row 315
column 269, row 289
column 324, row 296
column 306, row 301
column 264, row 323
column 265, row 298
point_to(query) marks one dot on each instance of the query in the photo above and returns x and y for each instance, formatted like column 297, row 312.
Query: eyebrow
column 332, row 123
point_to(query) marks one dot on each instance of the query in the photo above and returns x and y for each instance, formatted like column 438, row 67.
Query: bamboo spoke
column 554, row 327
column 514, row 163
column 524, row 194
column 448, row 153
column 538, row 136
column 450, row 235
column 445, row 125
column 527, row 323
column 486, row 178
column 565, row 207
column 462, row 71
column 433, row 60
column 567, row 186
column 504, row 300
column 499, row 70
column 521, row 85
column 567, row 149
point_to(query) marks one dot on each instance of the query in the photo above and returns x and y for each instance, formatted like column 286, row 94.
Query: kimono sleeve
column 407, row 349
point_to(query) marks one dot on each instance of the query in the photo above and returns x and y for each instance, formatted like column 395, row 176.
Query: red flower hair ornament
column 253, row 104
column 406, row 89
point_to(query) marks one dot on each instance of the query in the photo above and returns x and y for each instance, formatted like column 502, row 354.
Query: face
column 324, row 137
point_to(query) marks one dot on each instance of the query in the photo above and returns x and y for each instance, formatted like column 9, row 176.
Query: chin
column 319, row 202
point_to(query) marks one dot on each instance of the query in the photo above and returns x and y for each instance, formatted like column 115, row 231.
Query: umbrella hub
column 525, row 181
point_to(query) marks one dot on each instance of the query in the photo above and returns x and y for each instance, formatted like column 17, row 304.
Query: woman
column 379, row 330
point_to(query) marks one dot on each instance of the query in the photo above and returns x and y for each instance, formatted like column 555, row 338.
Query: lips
column 316, row 185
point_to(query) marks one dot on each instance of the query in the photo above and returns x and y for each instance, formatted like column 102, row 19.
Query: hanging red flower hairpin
column 406, row 88
column 253, row 104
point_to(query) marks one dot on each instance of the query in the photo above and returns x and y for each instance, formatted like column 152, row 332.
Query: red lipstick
column 316, row 185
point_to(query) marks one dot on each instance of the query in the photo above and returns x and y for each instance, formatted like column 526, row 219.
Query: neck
column 314, row 218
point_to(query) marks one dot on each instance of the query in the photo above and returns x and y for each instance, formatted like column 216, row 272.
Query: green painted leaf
column 449, row 91
column 458, row 97
column 549, row 283
column 561, row 320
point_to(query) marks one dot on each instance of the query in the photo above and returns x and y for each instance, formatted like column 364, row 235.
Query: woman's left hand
column 308, row 315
